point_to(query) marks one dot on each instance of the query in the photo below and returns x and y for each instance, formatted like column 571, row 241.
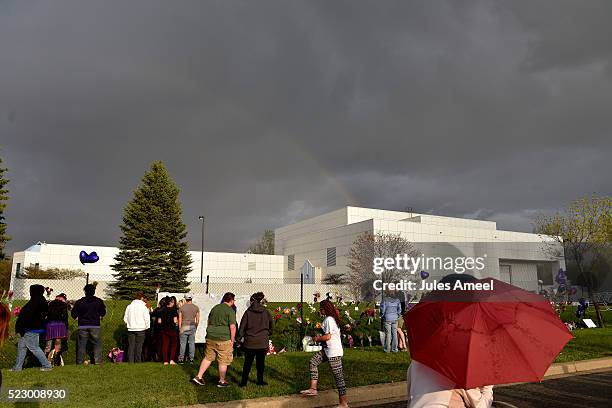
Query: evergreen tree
column 3, row 199
column 152, row 249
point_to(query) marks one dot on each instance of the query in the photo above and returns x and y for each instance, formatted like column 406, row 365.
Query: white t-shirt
column 334, row 344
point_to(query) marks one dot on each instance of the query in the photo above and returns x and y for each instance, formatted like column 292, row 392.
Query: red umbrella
column 486, row 337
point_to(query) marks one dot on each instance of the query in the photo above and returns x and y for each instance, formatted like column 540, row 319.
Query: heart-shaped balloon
column 424, row 274
column 84, row 257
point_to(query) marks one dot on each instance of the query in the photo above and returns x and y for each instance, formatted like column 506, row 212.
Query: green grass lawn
column 155, row 385
column 587, row 344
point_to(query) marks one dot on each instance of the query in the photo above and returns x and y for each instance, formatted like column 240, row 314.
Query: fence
column 275, row 289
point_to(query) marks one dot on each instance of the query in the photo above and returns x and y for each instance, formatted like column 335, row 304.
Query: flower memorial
column 359, row 327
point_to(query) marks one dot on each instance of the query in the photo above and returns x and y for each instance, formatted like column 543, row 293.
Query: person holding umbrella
column 462, row 342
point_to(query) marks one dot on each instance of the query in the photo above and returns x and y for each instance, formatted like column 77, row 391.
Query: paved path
column 578, row 391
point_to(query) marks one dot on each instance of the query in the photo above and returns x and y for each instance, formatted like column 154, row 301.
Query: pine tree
column 3, row 199
column 152, row 249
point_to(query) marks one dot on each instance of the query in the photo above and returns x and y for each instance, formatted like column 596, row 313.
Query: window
column 37, row 265
column 505, row 273
column 18, row 268
column 291, row 262
column 545, row 273
column 331, row 256
column 252, row 266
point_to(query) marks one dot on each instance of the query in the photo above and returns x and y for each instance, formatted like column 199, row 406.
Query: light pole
column 201, row 218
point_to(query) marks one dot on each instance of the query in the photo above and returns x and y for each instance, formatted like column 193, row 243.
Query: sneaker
column 181, row 362
column 191, row 362
column 46, row 368
column 15, row 370
column 198, row 381
column 224, row 384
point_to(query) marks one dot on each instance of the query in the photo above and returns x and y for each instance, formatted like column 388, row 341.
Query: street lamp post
column 201, row 218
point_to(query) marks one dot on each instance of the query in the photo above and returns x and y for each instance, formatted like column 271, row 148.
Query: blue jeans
column 30, row 341
column 390, row 336
column 187, row 336
column 93, row 334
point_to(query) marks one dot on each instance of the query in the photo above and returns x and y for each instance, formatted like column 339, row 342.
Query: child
column 57, row 328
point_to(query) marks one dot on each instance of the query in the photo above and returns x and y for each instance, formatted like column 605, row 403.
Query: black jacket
column 33, row 315
column 255, row 327
column 88, row 310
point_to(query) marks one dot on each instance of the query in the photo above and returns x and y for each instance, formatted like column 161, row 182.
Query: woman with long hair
column 57, row 328
column 155, row 336
column 168, row 324
column 332, row 352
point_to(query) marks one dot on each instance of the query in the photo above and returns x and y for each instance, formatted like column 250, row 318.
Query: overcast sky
column 267, row 112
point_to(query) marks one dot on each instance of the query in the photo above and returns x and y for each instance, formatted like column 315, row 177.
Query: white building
column 321, row 245
column 325, row 241
column 216, row 264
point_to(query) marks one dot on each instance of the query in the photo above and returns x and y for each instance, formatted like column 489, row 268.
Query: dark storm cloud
column 268, row 112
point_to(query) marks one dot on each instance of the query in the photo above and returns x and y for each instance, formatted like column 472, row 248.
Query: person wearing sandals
column 332, row 352
column 255, row 331
column 220, row 336
column 57, row 328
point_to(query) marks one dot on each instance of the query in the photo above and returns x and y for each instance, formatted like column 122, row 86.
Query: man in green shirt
column 220, row 335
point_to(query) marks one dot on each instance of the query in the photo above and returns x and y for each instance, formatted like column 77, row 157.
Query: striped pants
column 336, row 366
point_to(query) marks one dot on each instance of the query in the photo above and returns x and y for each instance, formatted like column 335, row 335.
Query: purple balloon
column 84, row 257
column 424, row 274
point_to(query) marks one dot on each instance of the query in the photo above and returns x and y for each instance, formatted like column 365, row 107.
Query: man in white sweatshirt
column 138, row 321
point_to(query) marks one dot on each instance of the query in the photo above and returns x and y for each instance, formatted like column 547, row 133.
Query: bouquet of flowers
column 116, row 355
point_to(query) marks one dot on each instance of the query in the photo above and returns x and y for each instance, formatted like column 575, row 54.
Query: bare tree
column 360, row 276
column 265, row 244
column 584, row 230
column 335, row 279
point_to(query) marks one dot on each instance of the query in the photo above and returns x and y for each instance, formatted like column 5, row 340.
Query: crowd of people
column 167, row 334
column 171, row 321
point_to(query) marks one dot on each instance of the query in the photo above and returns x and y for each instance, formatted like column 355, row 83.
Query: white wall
column 218, row 264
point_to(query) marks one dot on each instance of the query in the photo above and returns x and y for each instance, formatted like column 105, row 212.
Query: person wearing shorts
column 220, row 336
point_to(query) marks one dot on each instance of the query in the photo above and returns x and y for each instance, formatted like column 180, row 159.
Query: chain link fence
column 275, row 289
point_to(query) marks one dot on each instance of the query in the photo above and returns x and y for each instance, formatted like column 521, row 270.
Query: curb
column 379, row 393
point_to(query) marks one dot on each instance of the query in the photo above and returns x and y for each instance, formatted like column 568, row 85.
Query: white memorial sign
column 206, row 302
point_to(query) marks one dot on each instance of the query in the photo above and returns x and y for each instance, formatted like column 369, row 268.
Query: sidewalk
column 383, row 393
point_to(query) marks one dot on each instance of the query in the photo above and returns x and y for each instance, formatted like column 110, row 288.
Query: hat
column 63, row 295
column 188, row 296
